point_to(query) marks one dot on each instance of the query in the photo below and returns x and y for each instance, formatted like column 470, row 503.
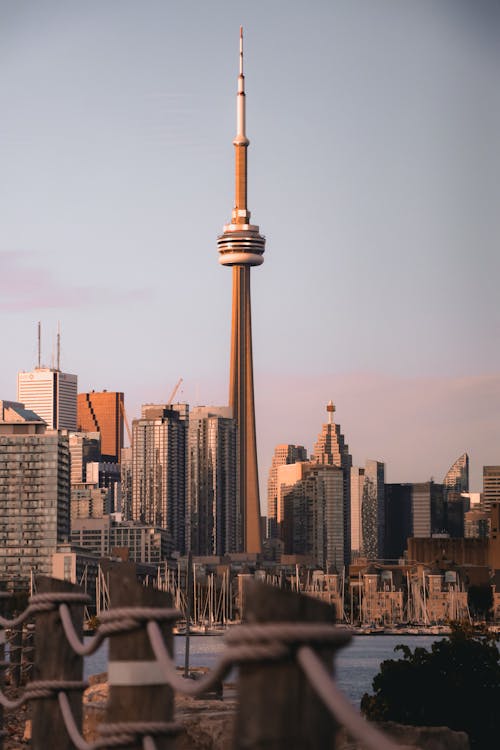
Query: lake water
column 356, row 664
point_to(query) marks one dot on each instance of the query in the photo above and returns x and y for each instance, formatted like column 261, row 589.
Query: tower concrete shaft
column 242, row 246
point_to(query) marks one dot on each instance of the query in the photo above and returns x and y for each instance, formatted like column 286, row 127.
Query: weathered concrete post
column 56, row 660
column 277, row 708
column 137, row 689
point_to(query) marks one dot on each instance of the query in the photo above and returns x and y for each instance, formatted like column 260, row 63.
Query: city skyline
column 379, row 197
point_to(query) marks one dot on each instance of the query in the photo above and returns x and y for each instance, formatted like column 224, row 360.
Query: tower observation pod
column 241, row 246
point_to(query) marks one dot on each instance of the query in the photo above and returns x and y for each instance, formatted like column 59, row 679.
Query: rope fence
column 289, row 640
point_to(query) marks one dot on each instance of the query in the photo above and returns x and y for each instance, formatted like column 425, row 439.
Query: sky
column 374, row 166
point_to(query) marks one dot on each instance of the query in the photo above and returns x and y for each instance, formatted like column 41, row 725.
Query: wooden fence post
column 55, row 660
column 277, row 708
column 4, row 596
column 137, row 690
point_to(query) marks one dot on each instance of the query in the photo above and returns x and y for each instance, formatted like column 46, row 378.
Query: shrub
column 455, row 684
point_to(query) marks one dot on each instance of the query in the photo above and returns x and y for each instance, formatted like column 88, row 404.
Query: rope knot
column 50, row 601
column 122, row 734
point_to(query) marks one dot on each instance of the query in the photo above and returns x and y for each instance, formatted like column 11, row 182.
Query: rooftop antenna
column 330, row 408
column 58, row 345
column 39, row 344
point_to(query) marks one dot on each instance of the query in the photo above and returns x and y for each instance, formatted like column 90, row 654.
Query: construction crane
column 127, row 424
column 176, row 388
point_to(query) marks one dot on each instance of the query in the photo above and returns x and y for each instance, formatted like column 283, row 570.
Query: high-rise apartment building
column 241, row 246
column 126, row 482
column 491, row 486
column 283, row 454
column 212, row 520
column 367, row 510
column 357, row 484
column 373, row 510
column 159, row 469
column 51, row 394
column 102, row 411
column 313, row 513
column 331, row 449
column 34, row 494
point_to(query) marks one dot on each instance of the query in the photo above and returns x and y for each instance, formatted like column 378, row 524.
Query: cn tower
column 242, row 246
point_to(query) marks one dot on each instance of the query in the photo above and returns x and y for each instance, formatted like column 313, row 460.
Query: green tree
column 480, row 601
column 455, row 684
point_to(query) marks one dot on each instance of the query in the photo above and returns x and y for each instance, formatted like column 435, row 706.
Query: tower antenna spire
column 39, row 344
column 241, row 139
column 241, row 51
column 58, row 363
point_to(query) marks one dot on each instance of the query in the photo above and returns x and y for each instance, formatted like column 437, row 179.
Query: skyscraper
column 159, row 469
column 457, row 476
column 491, row 486
column 34, row 494
column 212, row 516
column 313, row 512
column 103, row 412
column 427, row 509
column 332, row 450
column 373, row 510
column 455, row 483
column 283, row 454
column 241, row 246
column 51, row 394
column 357, row 484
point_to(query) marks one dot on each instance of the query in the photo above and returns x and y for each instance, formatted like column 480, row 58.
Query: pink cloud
column 27, row 287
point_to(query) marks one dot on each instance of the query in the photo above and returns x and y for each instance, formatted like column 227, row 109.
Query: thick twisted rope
column 117, row 734
column 47, row 602
column 246, row 643
column 114, row 621
column 40, row 689
column 338, row 705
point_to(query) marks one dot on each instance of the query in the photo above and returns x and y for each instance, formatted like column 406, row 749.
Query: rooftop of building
column 12, row 412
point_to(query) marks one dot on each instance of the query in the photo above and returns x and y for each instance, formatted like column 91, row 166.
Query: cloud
column 27, row 287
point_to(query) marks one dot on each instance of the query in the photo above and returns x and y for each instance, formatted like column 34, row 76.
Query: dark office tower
column 427, row 509
column 491, row 486
column 398, row 519
column 159, row 469
column 284, row 454
column 332, row 450
column 212, row 520
column 102, row 411
column 241, row 246
column 34, row 494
